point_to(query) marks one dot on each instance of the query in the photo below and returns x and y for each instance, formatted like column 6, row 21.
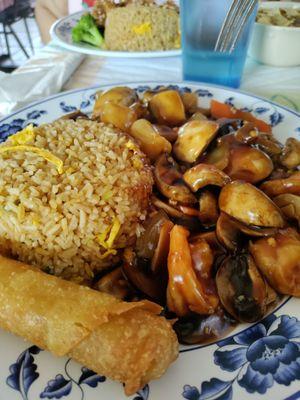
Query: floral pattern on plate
column 261, row 356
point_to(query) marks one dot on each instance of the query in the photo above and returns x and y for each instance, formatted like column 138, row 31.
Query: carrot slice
column 222, row 110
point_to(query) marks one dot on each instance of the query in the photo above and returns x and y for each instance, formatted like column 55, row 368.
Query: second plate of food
column 133, row 30
column 206, row 179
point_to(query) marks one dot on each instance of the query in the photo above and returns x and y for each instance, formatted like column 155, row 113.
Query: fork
column 234, row 24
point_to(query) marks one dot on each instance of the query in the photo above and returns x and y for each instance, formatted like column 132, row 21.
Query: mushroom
column 74, row 115
column 228, row 126
column 208, row 208
column 211, row 238
column 232, row 233
column 249, row 164
column 198, row 116
column 242, row 290
column 178, row 216
column 249, row 205
column 186, row 293
column 121, row 95
column 276, row 187
column 190, row 102
column 150, row 141
column 160, row 256
column 289, row 205
column 120, row 116
column 246, row 133
column 205, row 174
column 193, row 139
column 151, row 285
column 169, row 181
column 228, row 233
column 147, row 242
column 219, row 155
column 278, row 259
column 152, row 246
column 167, row 132
column 268, row 144
column 167, row 108
column 290, row 157
column 197, row 328
column 115, row 284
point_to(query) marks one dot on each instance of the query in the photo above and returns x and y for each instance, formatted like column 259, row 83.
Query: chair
column 21, row 9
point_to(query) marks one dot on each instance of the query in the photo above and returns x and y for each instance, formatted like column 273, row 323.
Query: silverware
column 234, row 24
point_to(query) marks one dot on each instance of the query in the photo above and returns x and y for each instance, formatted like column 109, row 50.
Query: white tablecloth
column 279, row 84
column 54, row 69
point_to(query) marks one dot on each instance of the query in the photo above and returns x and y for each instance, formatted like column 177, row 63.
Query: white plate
column 255, row 361
column 61, row 32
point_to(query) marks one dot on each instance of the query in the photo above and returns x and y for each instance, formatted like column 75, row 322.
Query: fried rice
column 73, row 193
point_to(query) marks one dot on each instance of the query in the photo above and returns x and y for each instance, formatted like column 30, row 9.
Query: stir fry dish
column 221, row 240
column 151, row 222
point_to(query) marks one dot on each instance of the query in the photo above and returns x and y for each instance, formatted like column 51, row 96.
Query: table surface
column 53, row 69
column 281, row 85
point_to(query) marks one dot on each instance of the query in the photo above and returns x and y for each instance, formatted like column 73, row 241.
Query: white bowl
column 276, row 45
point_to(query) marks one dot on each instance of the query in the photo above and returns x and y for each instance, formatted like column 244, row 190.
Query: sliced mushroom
column 278, row 259
column 167, row 108
column 193, row 139
column 246, row 133
column 232, row 233
column 121, row 95
column 75, row 115
column 203, row 329
column 150, row 141
column 211, row 238
column 208, row 208
column 249, row 205
column 185, row 292
column 160, row 256
column 169, row 181
column 289, row 205
column 146, row 282
column 189, row 211
column 190, row 102
column 170, row 134
column 228, row 233
column 179, row 217
column 276, row 187
column 115, row 284
column 219, row 155
column 205, row 174
column 249, row 164
column 242, row 290
column 198, row 116
column 268, row 144
column 146, row 243
column 120, row 116
column 290, row 157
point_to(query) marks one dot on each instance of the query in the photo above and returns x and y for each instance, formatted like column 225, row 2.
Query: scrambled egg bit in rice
column 73, row 193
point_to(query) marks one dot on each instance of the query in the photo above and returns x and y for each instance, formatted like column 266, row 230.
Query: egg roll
column 128, row 342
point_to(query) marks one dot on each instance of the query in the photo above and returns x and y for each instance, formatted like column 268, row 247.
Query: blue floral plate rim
column 148, row 83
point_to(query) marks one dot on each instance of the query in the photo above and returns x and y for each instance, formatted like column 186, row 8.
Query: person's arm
column 46, row 13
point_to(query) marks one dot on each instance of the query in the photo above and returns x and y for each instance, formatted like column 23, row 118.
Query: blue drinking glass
column 201, row 21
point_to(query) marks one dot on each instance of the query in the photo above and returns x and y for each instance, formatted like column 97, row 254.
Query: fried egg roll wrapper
column 128, row 342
